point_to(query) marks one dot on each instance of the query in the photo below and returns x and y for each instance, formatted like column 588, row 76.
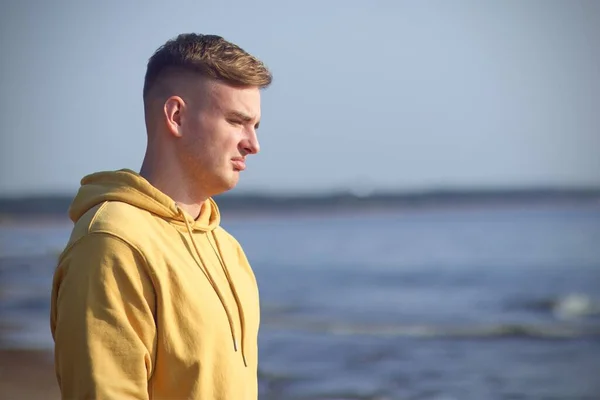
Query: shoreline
column 47, row 208
column 28, row 374
column 228, row 212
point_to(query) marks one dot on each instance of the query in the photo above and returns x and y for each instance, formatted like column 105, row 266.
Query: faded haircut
column 206, row 55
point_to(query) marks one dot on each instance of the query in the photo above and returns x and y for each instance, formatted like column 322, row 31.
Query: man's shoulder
column 115, row 218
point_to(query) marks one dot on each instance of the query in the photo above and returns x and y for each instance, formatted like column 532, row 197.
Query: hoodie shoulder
column 113, row 217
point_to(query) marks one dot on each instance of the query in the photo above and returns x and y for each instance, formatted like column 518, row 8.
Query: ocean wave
column 576, row 305
column 570, row 306
column 483, row 331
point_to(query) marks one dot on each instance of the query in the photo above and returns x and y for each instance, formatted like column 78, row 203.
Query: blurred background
column 424, row 216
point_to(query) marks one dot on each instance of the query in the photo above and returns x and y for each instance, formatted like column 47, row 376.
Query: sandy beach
column 27, row 374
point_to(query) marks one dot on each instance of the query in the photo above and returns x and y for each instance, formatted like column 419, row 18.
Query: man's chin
column 231, row 181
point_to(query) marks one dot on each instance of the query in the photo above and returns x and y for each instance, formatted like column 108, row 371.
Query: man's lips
column 238, row 163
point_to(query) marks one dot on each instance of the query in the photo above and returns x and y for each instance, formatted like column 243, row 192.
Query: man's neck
column 172, row 182
column 192, row 209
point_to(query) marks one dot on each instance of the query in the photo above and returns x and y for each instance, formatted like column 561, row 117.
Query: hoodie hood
column 129, row 187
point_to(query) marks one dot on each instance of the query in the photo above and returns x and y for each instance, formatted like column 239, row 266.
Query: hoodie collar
column 129, row 187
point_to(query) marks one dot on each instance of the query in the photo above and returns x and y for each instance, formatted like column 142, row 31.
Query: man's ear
column 173, row 110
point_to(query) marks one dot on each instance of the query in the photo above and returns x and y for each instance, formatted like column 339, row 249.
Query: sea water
column 438, row 304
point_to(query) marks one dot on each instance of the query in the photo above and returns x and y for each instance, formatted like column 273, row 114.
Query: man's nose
column 250, row 143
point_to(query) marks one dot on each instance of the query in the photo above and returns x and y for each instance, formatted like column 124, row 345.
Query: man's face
column 218, row 126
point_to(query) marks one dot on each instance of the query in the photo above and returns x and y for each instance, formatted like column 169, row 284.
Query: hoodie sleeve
column 102, row 320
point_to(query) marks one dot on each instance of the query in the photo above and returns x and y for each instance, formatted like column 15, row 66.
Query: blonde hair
column 207, row 55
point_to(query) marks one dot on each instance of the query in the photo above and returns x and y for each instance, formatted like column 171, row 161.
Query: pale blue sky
column 367, row 94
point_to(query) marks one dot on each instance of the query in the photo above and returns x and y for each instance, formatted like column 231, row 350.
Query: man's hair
column 207, row 55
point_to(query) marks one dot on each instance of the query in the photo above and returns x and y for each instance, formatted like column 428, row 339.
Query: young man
column 151, row 298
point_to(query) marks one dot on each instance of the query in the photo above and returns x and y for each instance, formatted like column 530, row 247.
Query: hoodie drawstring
column 206, row 271
column 233, row 290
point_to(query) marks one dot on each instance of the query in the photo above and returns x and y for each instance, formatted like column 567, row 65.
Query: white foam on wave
column 550, row 331
column 575, row 306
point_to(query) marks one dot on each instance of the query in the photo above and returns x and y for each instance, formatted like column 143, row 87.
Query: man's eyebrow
column 244, row 117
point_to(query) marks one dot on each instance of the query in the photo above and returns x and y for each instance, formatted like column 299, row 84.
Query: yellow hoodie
column 148, row 303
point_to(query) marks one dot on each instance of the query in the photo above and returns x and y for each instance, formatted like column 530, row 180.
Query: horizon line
column 360, row 193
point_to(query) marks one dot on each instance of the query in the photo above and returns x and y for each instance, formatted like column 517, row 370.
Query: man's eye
column 235, row 122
